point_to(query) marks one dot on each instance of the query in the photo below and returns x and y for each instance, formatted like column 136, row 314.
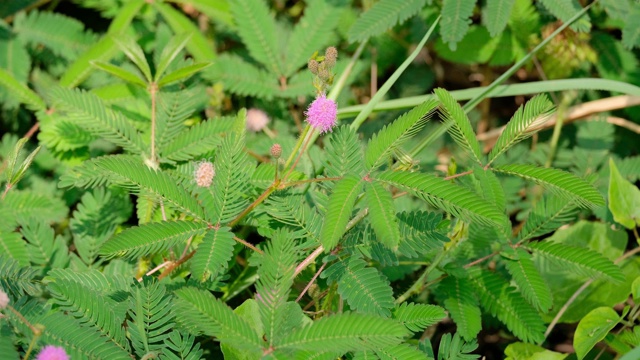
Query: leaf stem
column 306, row 262
column 257, row 202
column 419, row 284
column 248, row 244
column 153, row 91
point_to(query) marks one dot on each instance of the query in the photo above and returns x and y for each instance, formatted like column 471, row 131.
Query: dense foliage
column 193, row 179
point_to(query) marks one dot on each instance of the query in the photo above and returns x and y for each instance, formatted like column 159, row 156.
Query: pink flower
column 256, row 120
column 204, row 173
column 4, row 300
column 322, row 114
column 50, row 352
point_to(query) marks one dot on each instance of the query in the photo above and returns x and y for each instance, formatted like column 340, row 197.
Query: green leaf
column 382, row 144
column 631, row 29
column 243, row 78
column 312, row 32
column 16, row 280
column 257, row 29
column 496, row 15
column 170, row 52
column 341, row 203
column 151, row 313
column 218, row 11
column 458, row 123
column 585, row 261
column 500, row 299
column 182, row 73
column 213, row 254
column 529, row 281
column 455, row 20
column 134, row 52
column 559, row 182
column 382, row 16
column 89, row 112
column 21, row 91
column 276, row 274
column 117, row 71
column 624, row 198
column 593, row 328
column 343, row 153
column 550, row 213
column 523, row 124
column 196, row 140
column 446, row 196
column 521, row 351
column 417, row 317
column 565, row 9
column 198, row 45
column 151, row 238
column 210, row 316
column 420, row 233
column 346, row 332
column 13, row 246
column 401, row 351
column 104, row 49
column 382, row 214
column 365, row 289
column 463, row 306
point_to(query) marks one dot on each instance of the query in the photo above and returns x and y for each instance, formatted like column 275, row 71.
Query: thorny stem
column 155, row 269
column 248, row 244
column 257, row 202
column 175, row 264
column 478, row 261
column 582, row 288
column 458, row 175
column 303, row 265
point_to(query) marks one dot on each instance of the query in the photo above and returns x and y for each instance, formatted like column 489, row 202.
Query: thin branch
column 306, row 262
column 313, row 279
column 458, row 175
column 175, row 264
column 248, row 244
column 153, row 90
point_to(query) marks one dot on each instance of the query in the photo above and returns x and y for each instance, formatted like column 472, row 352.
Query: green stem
column 418, row 285
column 557, row 129
column 490, row 89
column 293, row 154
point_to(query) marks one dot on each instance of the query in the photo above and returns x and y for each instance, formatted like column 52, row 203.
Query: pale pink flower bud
column 276, row 151
column 322, row 114
column 313, row 66
column 50, row 352
column 204, row 174
column 4, row 300
column 256, row 120
column 331, row 56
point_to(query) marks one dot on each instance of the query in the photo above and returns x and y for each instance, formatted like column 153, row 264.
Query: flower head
column 4, row 300
column 50, row 352
column 322, row 114
column 256, row 120
column 204, row 174
column 276, row 151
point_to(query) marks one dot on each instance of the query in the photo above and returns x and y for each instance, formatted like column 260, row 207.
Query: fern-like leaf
column 382, row 144
column 151, row 317
column 63, row 35
column 496, row 15
column 502, row 301
column 446, row 196
column 227, row 196
column 174, row 109
column 565, row 9
column 90, row 308
column 400, row 351
column 197, row 140
column 382, row 16
column 455, row 20
column 458, row 123
column 417, row 317
column 242, row 78
column 151, row 238
column 297, row 214
column 523, row 124
column 210, row 316
column 275, row 280
column 16, row 280
column 343, row 153
column 88, row 111
column 257, row 29
column 631, row 29
column 341, row 203
column 24, row 204
column 346, row 332
column 462, row 305
column 420, row 233
column 181, row 347
column 80, row 341
column 312, row 32
column 529, row 281
column 382, row 214
column 213, row 254
column 559, row 182
column 365, row 289
column 21, row 91
column 13, row 246
column 487, row 185
column 549, row 214
column 585, row 261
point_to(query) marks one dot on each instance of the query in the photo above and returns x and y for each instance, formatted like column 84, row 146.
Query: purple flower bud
column 50, row 352
column 322, row 114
